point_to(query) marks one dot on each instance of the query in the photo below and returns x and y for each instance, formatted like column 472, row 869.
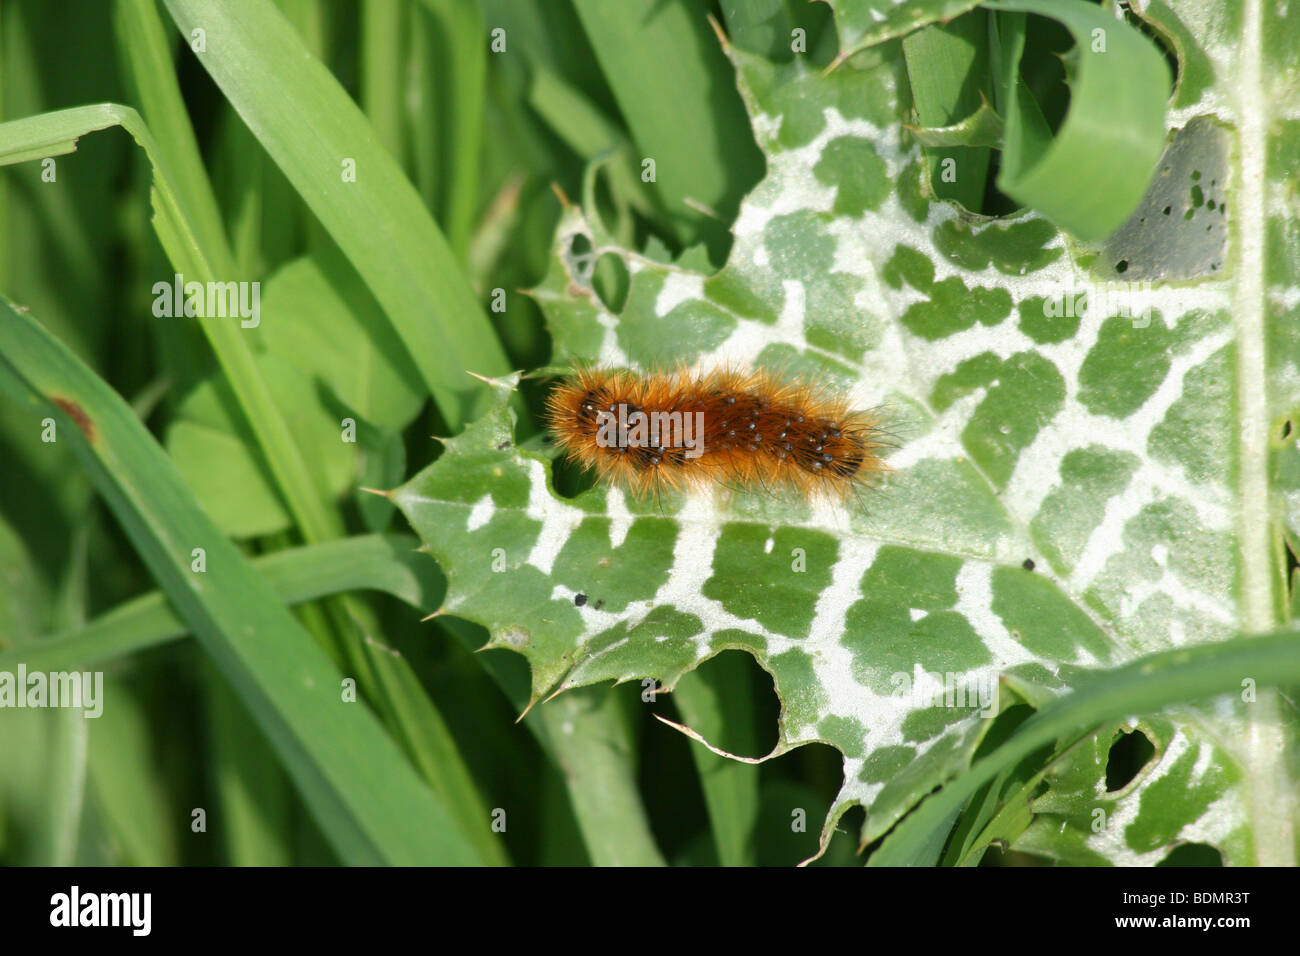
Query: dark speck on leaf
column 78, row 415
column 580, row 599
column 1029, row 564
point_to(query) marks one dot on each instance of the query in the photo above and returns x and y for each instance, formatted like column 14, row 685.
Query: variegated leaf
column 1091, row 461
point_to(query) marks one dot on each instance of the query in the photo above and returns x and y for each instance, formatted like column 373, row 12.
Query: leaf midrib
column 1271, row 801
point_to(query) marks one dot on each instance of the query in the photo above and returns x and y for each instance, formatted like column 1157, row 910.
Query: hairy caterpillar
column 669, row 430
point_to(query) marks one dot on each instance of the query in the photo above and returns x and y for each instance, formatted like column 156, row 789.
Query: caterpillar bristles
column 753, row 430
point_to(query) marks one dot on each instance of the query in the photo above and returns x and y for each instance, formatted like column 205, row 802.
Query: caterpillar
column 672, row 430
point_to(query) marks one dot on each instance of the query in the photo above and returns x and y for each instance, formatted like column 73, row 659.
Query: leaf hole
column 747, row 697
column 1193, row 854
column 1129, row 753
column 580, row 259
column 570, row 479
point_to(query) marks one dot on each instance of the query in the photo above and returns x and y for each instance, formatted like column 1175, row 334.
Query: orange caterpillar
column 651, row 431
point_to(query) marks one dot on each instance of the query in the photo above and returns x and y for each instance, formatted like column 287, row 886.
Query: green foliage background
column 388, row 170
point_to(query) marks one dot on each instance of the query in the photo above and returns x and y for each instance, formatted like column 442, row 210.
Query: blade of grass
column 463, row 71
column 659, row 52
column 143, row 41
column 310, row 20
column 586, row 735
column 381, row 562
column 1024, row 125
column 361, row 790
column 718, row 704
column 948, row 67
column 67, row 754
column 424, row 159
column 56, row 133
column 383, row 24
column 255, row 799
column 407, row 710
column 589, row 742
column 180, row 176
column 429, row 744
column 1144, row 686
column 329, row 152
column 570, row 114
column 589, row 133
column 65, row 760
column 132, row 801
column 388, row 563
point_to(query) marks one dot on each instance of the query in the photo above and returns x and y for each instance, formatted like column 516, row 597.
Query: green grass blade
column 317, row 135
column 947, row 64
column 1026, row 133
column 463, row 42
column 585, row 129
column 254, row 795
column 66, row 762
column 586, row 734
column 408, row 711
column 142, row 37
column 382, row 26
column 431, row 747
column 677, row 92
column 148, row 56
column 718, row 704
column 362, row 792
column 570, row 114
column 591, row 745
column 51, row 134
column 388, row 563
column 133, row 803
column 1144, row 686
column 378, row 562
column 67, row 750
